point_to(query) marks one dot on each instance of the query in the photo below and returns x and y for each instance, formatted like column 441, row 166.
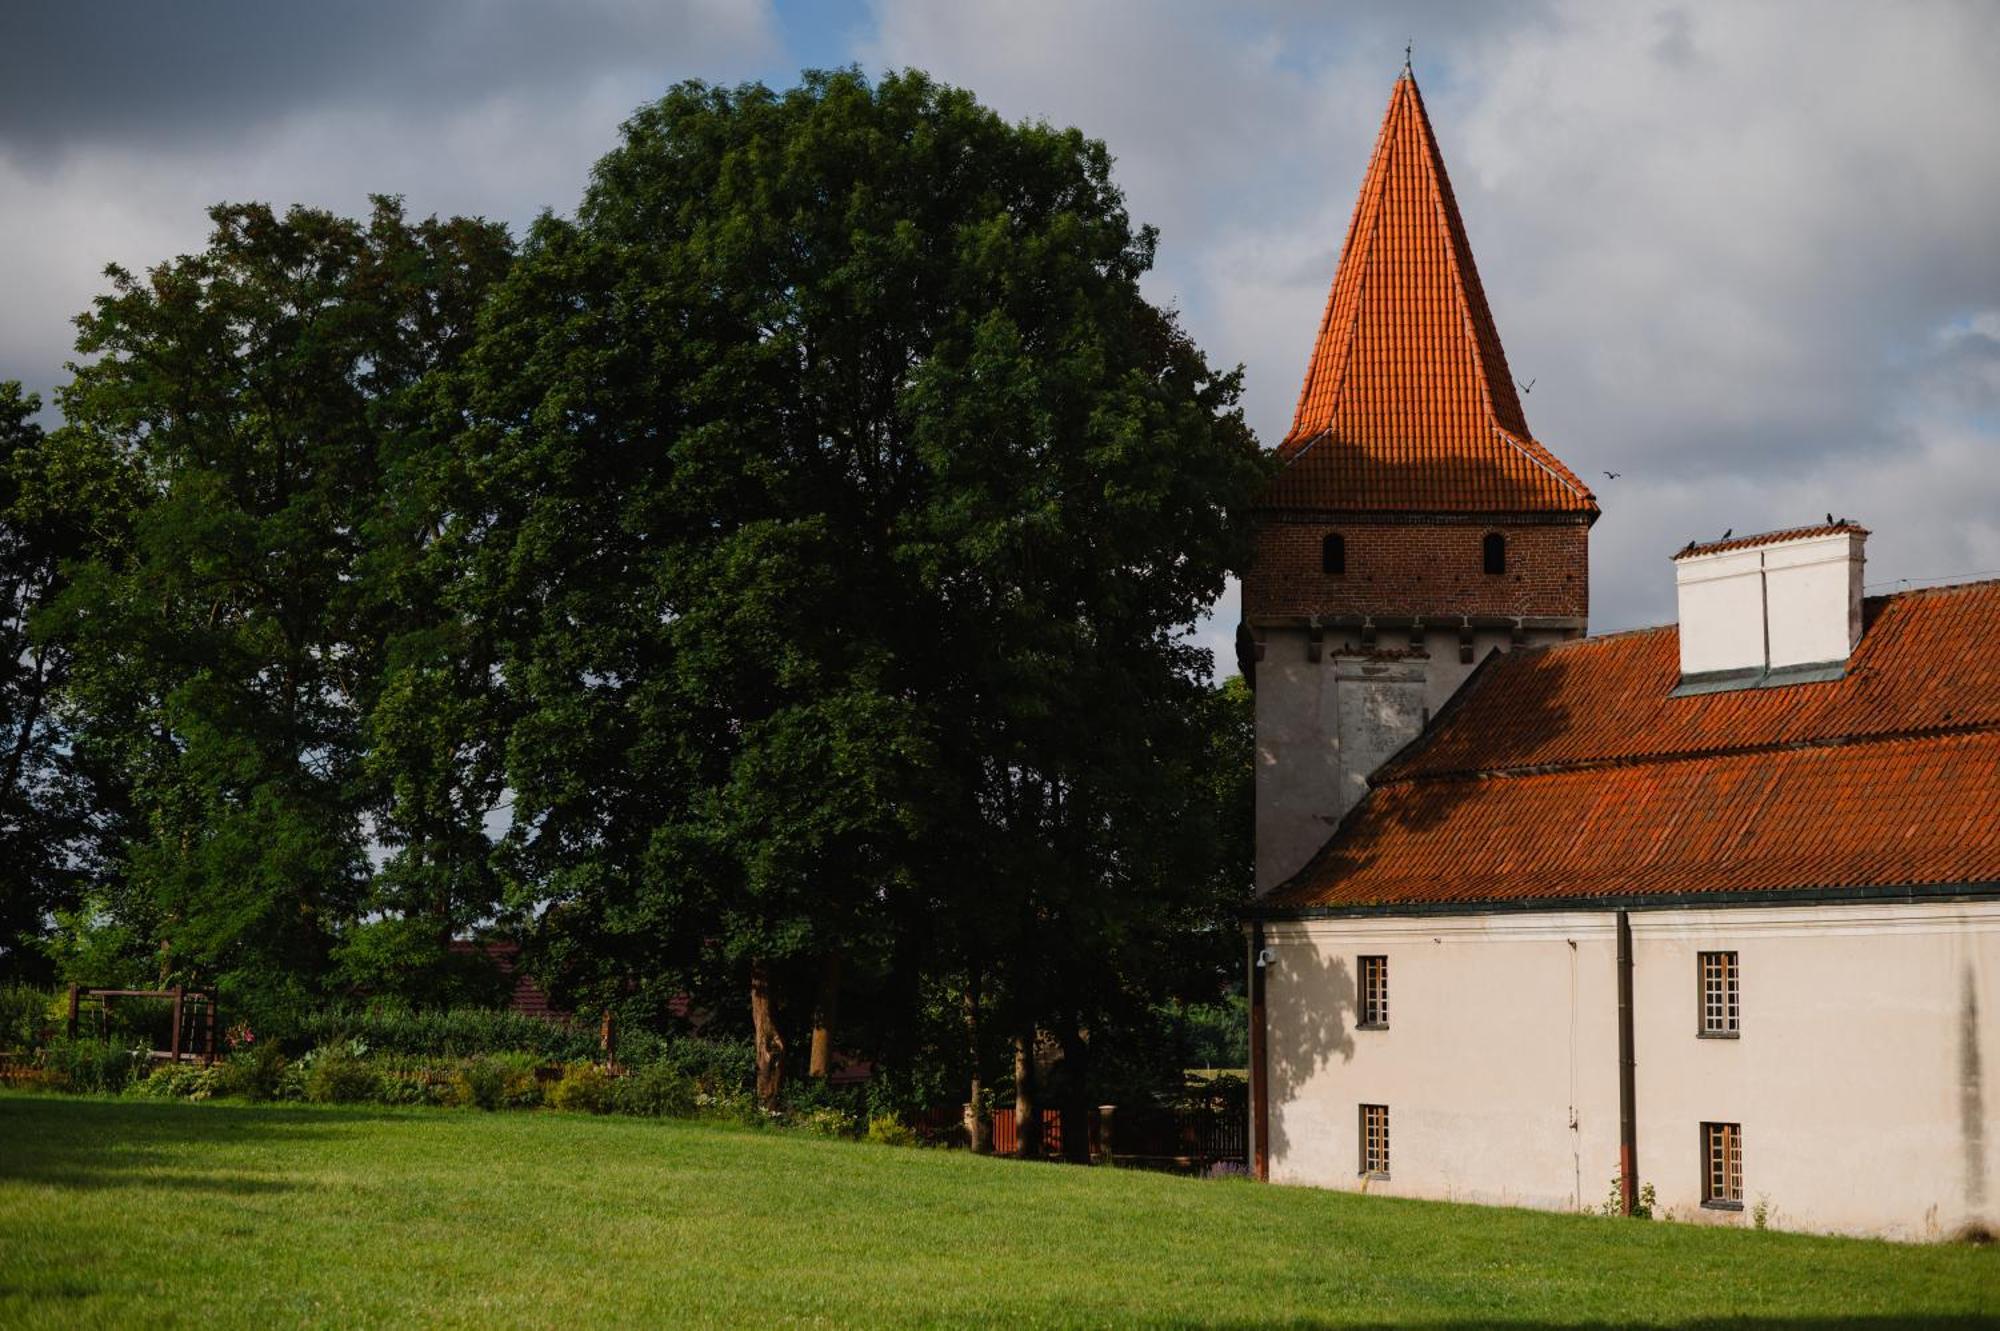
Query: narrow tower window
column 1496, row 552
column 1333, row 553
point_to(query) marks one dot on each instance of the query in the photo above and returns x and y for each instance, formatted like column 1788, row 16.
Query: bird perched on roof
column 1829, row 520
column 1731, row 532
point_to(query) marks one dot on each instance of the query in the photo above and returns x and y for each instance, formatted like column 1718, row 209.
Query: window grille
column 1722, row 1182
column 1375, row 1140
column 1333, row 553
column 1721, row 1010
column 1374, row 991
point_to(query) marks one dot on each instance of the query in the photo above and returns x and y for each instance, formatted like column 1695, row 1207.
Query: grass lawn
column 124, row 1213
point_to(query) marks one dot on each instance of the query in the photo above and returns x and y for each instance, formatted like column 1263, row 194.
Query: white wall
column 1323, row 726
column 1864, row 1075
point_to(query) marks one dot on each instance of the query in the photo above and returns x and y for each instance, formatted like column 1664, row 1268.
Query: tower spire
column 1408, row 402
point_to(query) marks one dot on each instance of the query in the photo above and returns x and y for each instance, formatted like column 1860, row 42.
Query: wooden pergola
column 181, row 995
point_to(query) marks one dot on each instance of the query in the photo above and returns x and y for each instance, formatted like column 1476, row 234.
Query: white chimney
column 1781, row 608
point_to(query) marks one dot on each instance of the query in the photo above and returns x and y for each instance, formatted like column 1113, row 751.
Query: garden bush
column 446, row 1033
column 27, row 1017
column 584, row 1089
column 258, row 1073
column 341, row 1077
column 887, row 1131
column 658, row 1090
column 480, row 1083
column 178, row 1081
column 87, row 1065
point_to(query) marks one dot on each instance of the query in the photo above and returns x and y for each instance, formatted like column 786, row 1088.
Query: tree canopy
column 774, row 581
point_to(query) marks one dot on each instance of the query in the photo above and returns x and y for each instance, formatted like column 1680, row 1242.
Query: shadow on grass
column 1756, row 1323
column 87, row 1144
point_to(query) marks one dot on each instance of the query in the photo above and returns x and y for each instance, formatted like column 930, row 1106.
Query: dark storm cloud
column 195, row 74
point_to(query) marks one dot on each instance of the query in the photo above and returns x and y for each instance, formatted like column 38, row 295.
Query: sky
column 1747, row 253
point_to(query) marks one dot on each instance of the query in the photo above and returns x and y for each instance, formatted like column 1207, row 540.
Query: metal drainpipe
column 1260, row 1086
column 1628, row 1114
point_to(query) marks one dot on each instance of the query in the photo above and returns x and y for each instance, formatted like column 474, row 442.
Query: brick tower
column 1415, row 524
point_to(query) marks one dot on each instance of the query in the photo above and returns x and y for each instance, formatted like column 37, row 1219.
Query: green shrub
column 657, row 1090
column 887, row 1131
column 27, row 1017
column 715, row 1067
column 178, row 1081
column 462, row 1032
column 257, row 1073
column 584, row 1089
column 481, row 1083
column 339, row 1077
column 826, row 1121
column 88, row 1065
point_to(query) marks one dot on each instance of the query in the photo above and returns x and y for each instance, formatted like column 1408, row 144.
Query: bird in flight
column 1613, row 475
column 1528, row 387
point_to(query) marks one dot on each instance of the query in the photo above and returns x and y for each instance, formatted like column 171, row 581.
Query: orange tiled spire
column 1408, row 403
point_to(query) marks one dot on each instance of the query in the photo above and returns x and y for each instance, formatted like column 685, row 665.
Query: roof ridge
column 1465, row 283
column 1532, row 448
column 1656, row 757
column 1348, row 247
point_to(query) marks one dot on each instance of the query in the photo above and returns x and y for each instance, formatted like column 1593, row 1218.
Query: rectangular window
column 1374, row 993
column 1375, row 1141
column 1720, row 1008
column 1722, row 1181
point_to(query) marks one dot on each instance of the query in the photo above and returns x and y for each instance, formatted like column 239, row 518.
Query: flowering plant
column 240, row 1036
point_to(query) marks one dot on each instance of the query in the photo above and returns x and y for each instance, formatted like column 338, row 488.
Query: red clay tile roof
column 1692, row 549
column 1408, row 403
column 1571, row 772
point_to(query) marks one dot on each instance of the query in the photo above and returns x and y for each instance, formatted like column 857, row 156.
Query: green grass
column 122, row 1213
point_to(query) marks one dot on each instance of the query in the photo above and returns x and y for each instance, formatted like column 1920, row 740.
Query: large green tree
column 57, row 811
column 266, row 601
column 844, row 505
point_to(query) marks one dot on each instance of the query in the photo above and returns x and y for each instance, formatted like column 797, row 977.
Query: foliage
column 1614, row 1204
column 845, row 501
column 459, row 1032
column 256, row 1073
column 58, row 810
column 583, row 1089
column 87, row 1065
column 341, row 1076
column 179, row 1081
column 27, row 1016
column 886, row 1131
column 658, row 1090
column 804, row 536
column 251, row 592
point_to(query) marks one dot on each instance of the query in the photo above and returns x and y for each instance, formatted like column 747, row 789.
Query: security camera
column 1265, row 956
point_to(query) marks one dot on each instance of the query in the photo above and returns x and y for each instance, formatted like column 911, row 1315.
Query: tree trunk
column 769, row 1044
column 1027, row 1106
column 823, row 1014
column 1076, row 1095
column 978, row 1126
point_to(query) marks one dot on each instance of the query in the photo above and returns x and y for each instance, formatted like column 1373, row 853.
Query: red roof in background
column 1572, row 772
column 1408, row 403
column 528, row 998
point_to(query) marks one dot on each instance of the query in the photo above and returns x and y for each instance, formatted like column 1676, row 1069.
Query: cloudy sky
column 1748, row 253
